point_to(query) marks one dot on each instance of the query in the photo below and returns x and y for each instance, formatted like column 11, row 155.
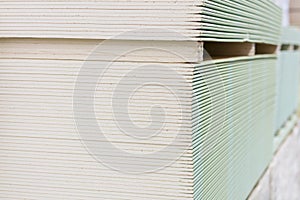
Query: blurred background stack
column 287, row 84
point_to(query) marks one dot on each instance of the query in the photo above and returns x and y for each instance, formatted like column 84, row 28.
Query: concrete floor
column 281, row 180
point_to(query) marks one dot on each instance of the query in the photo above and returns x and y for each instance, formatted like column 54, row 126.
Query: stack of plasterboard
column 222, row 111
column 288, row 84
column 221, row 20
column 131, row 118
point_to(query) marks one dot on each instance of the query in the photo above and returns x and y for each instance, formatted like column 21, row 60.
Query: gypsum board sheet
column 236, row 121
column 213, row 128
column 213, row 141
column 219, row 143
column 189, row 9
column 258, row 127
column 24, row 180
column 254, row 35
column 215, row 107
column 243, row 25
column 218, row 99
column 112, row 50
column 288, row 77
column 205, row 128
column 252, row 7
column 16, row 158
column 221, row 97
column 57, row 151
column 253, row 20
column 247, row 10
column 247, row 13
column 208, row 141
column 23, row 177
column 46, row 173
column 145, row 6
column 146, row 35
column 255, row 32
column 288, row 62
column 250, row 188
column 288, row 70
column 98, row 173
column 82, row 194
column 200, row 36
column 75, row 147
column 128, row 5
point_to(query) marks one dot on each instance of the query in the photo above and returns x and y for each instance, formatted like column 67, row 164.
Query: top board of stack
column 204, row 20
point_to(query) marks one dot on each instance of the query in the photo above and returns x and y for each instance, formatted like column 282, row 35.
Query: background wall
column 285, row 6
column 295, row 12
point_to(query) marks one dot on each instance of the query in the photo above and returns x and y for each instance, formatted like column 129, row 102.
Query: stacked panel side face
column 233, row 125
